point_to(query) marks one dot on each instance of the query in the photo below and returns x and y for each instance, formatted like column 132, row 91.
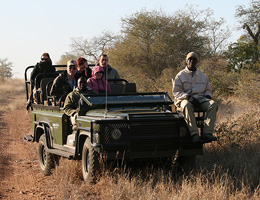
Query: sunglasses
column 72, row 67
column 44, row 59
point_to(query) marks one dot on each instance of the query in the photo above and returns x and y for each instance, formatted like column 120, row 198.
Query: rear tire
column 46, row 160
column 90, row 162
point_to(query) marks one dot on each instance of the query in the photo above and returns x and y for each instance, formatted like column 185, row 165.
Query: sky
column 32, row 27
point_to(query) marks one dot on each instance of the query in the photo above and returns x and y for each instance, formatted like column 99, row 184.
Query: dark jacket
column 89, row 74
column 61, row 86
column 42, row 67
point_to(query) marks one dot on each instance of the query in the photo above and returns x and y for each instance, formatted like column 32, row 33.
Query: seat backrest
column 48, row 87
column 129, row 88
column 43, row 86
column 116, row 87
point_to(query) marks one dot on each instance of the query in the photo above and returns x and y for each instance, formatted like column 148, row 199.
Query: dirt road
column 20, row 177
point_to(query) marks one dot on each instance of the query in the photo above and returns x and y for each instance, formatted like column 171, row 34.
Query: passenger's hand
column 194, row 101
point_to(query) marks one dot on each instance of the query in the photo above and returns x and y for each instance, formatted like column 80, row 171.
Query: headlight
column 96, row 127
column 183, row 131
column 116, row 134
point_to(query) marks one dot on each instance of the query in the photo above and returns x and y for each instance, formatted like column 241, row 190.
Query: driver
column 72, row 100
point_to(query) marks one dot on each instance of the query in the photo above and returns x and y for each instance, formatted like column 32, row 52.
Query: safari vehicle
column 124, row 124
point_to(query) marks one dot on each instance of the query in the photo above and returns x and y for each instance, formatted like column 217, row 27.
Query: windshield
column 129, row 99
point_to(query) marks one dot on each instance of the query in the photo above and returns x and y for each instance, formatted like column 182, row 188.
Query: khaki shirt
column 71, row 103
column 190, row 83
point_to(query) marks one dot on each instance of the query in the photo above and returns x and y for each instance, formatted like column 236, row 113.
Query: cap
column 192, row 54
column 71, row 62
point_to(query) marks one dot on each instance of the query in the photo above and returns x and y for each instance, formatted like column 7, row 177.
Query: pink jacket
column 98, row 85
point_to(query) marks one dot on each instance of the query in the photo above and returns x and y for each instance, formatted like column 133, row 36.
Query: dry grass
column 217, row 183
column 12, row 94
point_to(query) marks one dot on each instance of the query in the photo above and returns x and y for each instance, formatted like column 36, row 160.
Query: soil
column 20, row 175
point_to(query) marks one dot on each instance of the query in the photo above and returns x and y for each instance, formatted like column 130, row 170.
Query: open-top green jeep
column 123, row 124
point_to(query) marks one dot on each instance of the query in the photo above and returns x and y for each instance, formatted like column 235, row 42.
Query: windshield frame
column 154, row 98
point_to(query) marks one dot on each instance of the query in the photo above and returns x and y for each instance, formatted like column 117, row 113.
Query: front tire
column 90, row 162
column 46, row 159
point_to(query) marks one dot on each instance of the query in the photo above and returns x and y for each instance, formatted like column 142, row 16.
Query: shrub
column 248, row 86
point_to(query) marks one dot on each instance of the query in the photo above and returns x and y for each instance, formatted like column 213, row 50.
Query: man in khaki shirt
column 191, row 89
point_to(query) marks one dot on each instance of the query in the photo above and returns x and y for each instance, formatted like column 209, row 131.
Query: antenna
column 106, row 74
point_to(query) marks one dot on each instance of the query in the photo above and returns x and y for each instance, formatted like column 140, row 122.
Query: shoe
column 196, row 138
column 209, row 137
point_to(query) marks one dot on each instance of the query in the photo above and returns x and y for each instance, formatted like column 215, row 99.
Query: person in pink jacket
column 97, row 82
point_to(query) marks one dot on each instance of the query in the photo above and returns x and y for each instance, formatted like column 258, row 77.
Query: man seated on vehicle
column 72, row 100
column 110, row 73
column 191, row 89
column 44, row 66
column 65, row 82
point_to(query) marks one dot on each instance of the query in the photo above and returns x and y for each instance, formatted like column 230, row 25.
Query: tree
column 240, row 54
column 65, row 57
column 250, row 21
column 153, row 41
column 217, row 36
column 5, row 69
column 94, row 47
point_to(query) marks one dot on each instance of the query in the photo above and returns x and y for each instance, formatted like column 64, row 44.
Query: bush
column 248, row 86
column 241, row 132
column 222, row 82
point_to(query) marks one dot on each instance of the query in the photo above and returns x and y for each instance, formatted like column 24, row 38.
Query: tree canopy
column 249, row 19
column 240, row 54
column 245, row 52
column 153, row 41
column 93, row 48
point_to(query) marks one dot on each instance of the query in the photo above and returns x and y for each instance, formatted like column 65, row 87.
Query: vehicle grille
column 144, row 130
column 154, row 129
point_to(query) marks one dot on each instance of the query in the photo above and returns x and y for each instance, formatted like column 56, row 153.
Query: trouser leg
column 188, row 112
column 210, row 107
